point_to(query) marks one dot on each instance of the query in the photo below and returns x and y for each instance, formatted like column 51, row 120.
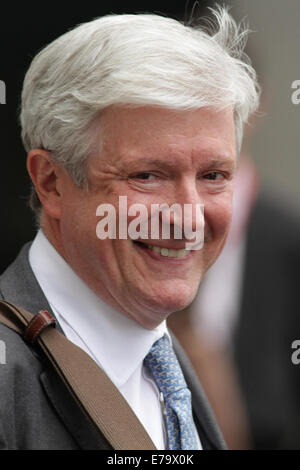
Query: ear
column 46, row 176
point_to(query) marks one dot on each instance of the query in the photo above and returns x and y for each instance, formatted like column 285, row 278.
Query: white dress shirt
column 115, row 342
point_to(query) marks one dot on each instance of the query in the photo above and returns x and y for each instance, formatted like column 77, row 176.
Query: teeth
column 168, row 252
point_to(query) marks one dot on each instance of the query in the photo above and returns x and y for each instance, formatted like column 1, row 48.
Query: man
column 142, row 107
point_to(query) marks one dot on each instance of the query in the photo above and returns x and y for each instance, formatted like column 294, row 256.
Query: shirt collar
column 117, row 342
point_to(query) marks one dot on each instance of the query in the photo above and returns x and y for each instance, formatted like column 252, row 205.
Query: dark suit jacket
column 269, row 321
column 36, row 410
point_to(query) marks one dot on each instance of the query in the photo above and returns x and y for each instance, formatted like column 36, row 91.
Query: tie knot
column 163, row 363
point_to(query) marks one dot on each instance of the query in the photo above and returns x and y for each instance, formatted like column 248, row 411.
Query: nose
column 186, row 214
column 187, row 196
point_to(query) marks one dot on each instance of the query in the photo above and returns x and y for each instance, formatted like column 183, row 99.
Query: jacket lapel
column 76, row 421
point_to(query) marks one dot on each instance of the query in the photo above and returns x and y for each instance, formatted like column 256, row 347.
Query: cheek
column 78, row 222
column 218, row 217
column 217, row 224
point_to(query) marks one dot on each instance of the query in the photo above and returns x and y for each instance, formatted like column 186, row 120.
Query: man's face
column 152, row 156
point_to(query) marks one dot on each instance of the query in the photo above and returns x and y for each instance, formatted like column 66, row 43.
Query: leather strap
column 86, row 381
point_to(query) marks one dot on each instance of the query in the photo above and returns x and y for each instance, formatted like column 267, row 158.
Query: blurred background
column 239, row 330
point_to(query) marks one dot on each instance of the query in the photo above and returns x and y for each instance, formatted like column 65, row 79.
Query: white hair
column 132, row 60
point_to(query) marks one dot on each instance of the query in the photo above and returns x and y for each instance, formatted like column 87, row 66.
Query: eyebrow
column 173, row 164
column 154, row 162
column 226, row 161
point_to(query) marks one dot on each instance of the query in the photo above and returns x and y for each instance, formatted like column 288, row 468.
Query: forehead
column 149, row 131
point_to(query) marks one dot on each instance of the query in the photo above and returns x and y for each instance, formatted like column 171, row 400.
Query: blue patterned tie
column 163, row 364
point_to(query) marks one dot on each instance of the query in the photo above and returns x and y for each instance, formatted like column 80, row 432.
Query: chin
column 174, row 300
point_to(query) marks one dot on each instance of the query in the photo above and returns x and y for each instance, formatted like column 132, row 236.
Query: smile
column 163, row 251
column 169, row 252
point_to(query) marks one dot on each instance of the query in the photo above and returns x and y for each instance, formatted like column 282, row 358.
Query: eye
column 145, row 176
column 214, row 175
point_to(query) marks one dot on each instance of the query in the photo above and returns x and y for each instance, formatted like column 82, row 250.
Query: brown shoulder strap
column 90, row 386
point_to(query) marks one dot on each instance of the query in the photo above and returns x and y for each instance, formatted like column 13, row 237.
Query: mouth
column 163, row 253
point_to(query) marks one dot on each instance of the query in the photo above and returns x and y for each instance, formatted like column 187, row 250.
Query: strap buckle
column 37, row 325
